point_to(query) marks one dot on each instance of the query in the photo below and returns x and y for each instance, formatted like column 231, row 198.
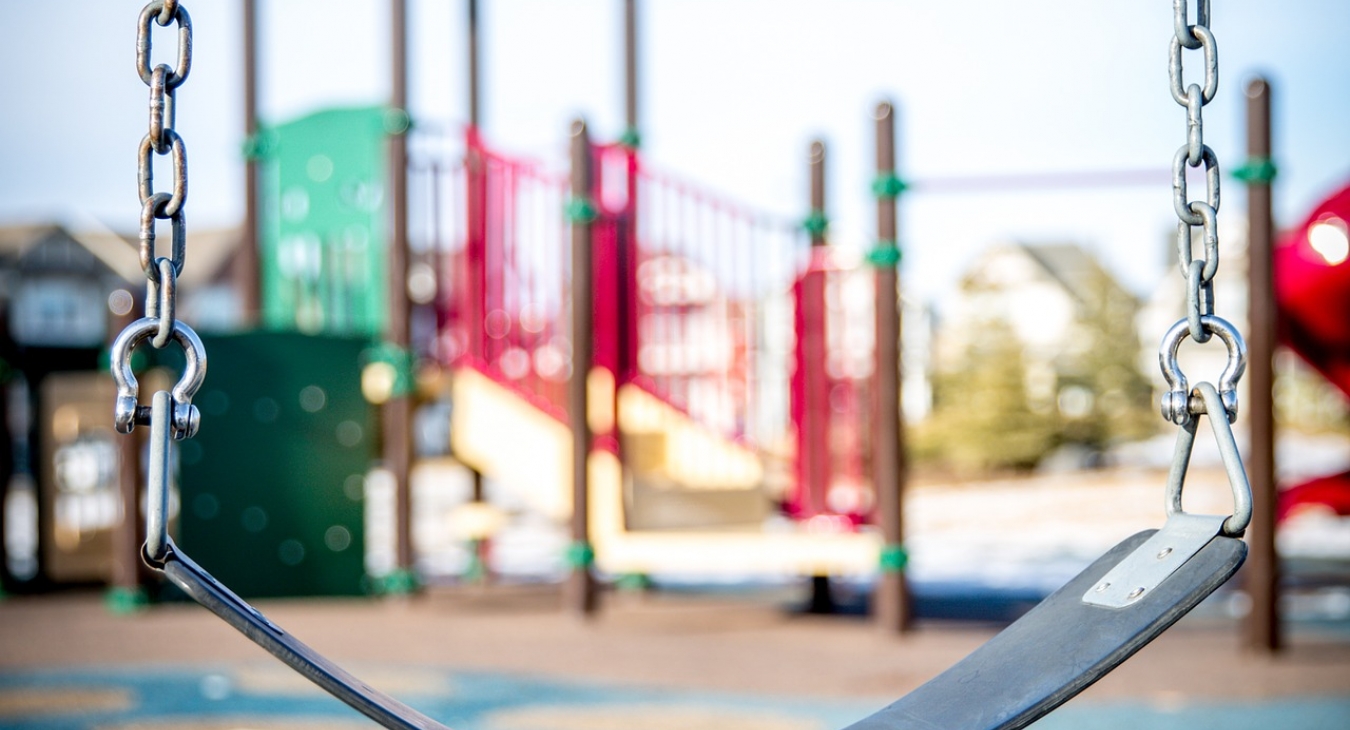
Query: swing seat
column 1058, row 648
column 1052, row 653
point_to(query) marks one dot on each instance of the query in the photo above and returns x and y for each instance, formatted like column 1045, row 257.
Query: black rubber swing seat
column 1058, row 648
column 1039, row 662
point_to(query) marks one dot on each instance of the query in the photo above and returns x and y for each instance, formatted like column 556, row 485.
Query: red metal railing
column 701, row 303
column 704, row 286
column 505, row 297
column 832, row 368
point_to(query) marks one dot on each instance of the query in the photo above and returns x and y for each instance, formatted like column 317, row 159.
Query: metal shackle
column 126, row 414
column 1176, row 402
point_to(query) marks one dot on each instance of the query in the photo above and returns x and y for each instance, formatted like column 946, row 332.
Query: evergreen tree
column 1104, row 398
column 982, row 418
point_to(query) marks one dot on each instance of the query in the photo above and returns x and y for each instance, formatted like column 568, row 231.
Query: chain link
column 1200, row 322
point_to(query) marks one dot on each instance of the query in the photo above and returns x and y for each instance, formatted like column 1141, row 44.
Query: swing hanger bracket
column 1184, row 534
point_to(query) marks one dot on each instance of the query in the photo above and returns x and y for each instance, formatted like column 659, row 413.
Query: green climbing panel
column 272, row 487
column 323, row 221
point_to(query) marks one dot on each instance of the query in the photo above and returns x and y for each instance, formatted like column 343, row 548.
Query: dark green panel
column 272, row 485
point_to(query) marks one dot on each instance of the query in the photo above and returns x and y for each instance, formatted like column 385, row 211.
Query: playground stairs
column 691, row 502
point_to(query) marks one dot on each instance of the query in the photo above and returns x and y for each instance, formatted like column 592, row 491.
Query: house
column 1053, row 297
column 1038, row 350
column 62, row 293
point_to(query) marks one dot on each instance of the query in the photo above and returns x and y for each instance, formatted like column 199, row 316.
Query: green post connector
column 893, row 558
column 259, row 145
column 399, row 582
column 396, row 121
column 122, row 601
column 884, row 255
column 581, row 210
column 816, row 223
column 888, row 185
column 476, row 570
column 1256, row 171
column 630, row 138
column 579, row 555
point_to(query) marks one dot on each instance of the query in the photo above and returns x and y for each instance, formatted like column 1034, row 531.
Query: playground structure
column 704, row 315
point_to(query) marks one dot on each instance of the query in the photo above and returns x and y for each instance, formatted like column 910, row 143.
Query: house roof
column 208, row 251
column 1074, row 269
column 47, row 247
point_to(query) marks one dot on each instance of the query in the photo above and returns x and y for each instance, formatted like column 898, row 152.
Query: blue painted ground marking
column 490, row 701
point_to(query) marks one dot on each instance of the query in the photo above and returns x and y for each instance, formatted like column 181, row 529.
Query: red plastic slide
column 1312, row 294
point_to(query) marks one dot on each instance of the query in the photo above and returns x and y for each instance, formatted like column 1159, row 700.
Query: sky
column 732, row 94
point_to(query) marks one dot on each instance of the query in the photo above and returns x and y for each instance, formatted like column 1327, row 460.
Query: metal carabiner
column 1209, row 401
column 126, row 414
column 1177, row 406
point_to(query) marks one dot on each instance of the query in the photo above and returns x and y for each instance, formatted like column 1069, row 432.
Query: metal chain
column 1200, row 322
column 1193, row 213
column 163, row 139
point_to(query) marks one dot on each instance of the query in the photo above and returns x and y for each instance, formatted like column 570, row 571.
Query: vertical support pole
column 474, row 70
column 476, row 214
column 125, row 593
column 1262, row 626
column 398, row 409
column 813, row 437
column 815, row 451
column 246, row 265
column 888, row 443
column 473, row 288
column 630, row 86
column 626, row 227
column 579, row 591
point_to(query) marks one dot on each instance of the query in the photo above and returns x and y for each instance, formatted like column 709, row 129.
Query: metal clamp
column 1209, row 401
column 126, row 414
column 1177, row 404
column 1184, row 534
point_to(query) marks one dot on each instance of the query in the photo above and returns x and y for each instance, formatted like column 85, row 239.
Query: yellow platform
column 503, row 436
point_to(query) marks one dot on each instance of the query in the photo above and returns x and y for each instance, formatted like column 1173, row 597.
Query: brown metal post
column 813, row 446
column 815, row 396
column 475, row 200
column 630, row 65
column 888, row 444
column 817, row 162
column 127, row 535
column 579, row 591
column 474, row 70
column 246, row 264
column 1262, row 626
column 398, row 409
